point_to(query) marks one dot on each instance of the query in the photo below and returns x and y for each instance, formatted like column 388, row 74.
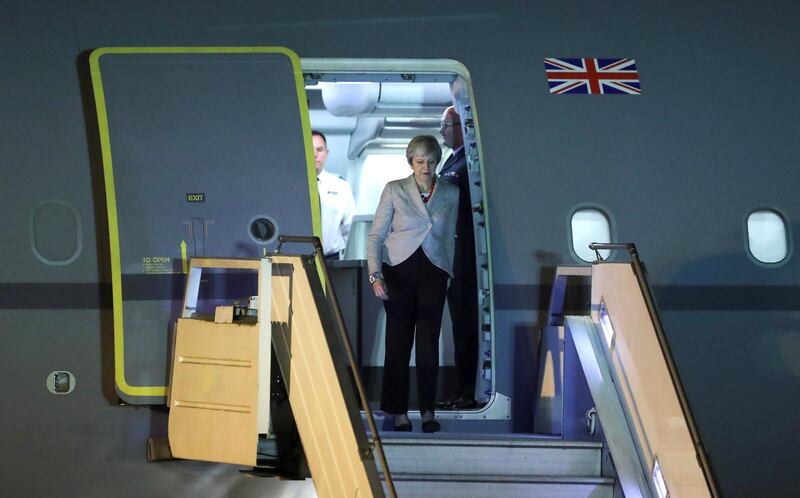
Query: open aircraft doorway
column 368, row 111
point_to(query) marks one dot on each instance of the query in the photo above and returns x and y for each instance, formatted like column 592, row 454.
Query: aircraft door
column 206, row 152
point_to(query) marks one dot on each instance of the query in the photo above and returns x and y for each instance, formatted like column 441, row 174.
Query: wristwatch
column 374, row 277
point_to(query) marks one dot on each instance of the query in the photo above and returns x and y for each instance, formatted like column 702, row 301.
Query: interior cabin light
column 658, row 481
column 605, row 324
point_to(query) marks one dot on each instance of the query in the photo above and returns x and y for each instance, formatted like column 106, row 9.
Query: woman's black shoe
column 404, row 427
column 431, row 426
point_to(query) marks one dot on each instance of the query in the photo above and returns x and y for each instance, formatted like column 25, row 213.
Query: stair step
column 488, row 486
column 516, row 457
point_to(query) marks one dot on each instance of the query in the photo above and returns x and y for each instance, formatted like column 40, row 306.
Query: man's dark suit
column 462, row 297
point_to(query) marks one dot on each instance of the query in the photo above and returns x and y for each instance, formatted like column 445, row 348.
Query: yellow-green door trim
column 108, row 172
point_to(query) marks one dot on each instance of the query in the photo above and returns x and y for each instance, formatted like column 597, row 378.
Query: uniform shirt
column 336, row 207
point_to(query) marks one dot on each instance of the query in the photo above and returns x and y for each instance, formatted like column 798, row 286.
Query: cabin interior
column 368, row 117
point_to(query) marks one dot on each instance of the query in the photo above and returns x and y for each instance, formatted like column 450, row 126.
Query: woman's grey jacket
column 403, row 223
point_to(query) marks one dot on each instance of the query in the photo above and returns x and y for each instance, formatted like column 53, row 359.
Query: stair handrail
column 354, row 366
column 652, row 310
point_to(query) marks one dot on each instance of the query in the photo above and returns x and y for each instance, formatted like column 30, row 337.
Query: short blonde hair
column 425, row 145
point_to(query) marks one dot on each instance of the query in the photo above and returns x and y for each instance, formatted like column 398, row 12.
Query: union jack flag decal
column 590, row 75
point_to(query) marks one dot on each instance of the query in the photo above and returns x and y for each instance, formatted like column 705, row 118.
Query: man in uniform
column 335, row 201
column 462, row 296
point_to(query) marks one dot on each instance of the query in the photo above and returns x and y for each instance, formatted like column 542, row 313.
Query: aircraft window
column 56, row 235
column 767, row 236
column 589, row 225
column 377, row 170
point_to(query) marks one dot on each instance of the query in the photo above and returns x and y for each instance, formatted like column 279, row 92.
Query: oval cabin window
column 56, row 235
column 767, row 236
column 589, row 225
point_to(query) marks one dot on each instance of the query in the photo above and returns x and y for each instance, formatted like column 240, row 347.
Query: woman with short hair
column 410, row 257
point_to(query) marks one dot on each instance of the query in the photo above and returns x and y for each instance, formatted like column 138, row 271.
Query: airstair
column 616, row 419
